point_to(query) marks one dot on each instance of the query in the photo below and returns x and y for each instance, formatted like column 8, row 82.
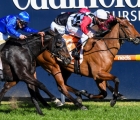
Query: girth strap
column 76, row 67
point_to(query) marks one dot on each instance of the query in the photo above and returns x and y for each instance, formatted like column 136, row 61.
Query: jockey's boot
column 75, row 51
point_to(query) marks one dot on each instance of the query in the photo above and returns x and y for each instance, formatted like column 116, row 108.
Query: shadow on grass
column 5, row 111
column 29, row 107
column 69, row 106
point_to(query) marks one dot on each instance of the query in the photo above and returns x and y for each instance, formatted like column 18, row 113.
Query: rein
column 99, row 38
column 126, row 38
column 110, row 38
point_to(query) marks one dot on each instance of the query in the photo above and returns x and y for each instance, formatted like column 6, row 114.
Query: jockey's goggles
column 23, row 23
column 101, row 20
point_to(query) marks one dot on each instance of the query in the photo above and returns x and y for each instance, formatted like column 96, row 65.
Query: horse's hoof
column 84, row 108
column 57, row 102
column 112, row 103
column 40, row 113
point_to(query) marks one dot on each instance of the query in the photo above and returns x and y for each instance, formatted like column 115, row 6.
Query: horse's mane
column 121, row 17
column 19, row 42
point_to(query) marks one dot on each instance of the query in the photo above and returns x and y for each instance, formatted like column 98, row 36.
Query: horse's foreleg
column 78, row 93
column 102, row 87
column 55, row 100
column 66, row 74
column 62, row 88
column 33, row 94
column 6, row 87
column 120, row 96
column 40, row 98
column 109, row 77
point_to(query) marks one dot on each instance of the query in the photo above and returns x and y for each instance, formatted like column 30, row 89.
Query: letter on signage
column 104, row 5
column 19, row 7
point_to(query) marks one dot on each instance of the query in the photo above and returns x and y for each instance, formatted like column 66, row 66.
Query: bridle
column 57, row 45
column 122, row 38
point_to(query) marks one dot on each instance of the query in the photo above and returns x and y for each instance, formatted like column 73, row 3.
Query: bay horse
column 18, row 59
column 99, row 53
column 98, row 57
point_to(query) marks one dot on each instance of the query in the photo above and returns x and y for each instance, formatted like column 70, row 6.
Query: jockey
column 108, row 23
column 59, row 23
column 10, row 24
column 111, row 19
column 78, row 25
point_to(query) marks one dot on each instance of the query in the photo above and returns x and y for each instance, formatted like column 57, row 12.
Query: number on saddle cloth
column 71, row 41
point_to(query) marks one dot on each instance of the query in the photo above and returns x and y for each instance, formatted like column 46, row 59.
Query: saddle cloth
column 71, row 42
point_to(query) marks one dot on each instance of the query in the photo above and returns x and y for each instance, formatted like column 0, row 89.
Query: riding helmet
column 24, row 16
column 100, row 13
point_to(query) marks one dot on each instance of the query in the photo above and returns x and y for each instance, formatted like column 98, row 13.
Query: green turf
column 97, row 111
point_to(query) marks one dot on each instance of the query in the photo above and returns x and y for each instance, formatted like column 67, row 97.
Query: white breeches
column 59, row 28
column 3, row 36
column 2, row 43
column 2, row 40
column 76, row 31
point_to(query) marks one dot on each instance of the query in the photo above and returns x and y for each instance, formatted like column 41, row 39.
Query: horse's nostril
column 136, row 40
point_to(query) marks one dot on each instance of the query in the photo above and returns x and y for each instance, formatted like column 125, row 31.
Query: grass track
column 97, row 111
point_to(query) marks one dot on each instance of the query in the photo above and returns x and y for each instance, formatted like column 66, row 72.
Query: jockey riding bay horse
column 97, row 62
column 18, row 59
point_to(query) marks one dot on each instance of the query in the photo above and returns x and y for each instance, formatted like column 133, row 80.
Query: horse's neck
column 36, row 46
column 114, row 32
column 113, row 44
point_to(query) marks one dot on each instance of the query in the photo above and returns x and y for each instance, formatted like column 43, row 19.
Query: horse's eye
column 58, row 44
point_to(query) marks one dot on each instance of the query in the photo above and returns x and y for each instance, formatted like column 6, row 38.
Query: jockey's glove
column 90, row 34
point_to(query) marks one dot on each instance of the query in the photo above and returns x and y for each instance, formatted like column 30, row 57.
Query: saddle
column 75, row 51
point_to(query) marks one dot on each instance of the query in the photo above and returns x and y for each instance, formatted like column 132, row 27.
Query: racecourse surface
column 97, row 110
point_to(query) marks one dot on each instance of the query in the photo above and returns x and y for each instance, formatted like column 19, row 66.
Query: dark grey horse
column 18, row 58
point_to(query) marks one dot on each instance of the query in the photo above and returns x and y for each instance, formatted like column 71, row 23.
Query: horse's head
column 58, row 47
column 128, row 30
